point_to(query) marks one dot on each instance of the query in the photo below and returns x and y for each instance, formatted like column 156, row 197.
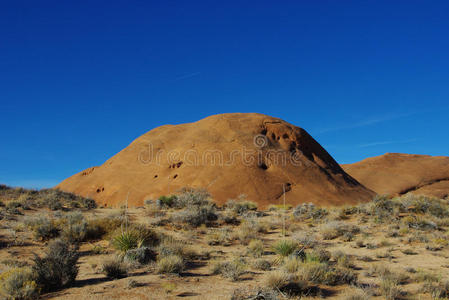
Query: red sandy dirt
column 229, row 155
column 397, row 174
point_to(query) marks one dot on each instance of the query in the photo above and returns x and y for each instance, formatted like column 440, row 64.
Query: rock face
column 397, row 174
column 229, row 155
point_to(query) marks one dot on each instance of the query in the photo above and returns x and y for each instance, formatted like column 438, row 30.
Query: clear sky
column 80, row 80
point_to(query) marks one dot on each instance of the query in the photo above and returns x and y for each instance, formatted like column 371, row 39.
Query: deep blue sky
column 79, row 80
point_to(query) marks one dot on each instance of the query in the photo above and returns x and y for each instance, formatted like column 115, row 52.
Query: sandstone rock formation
column 397, row 174
column 229, row 155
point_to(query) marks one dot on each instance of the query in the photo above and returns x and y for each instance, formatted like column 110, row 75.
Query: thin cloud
column 367, row 122
column 373, row 144
column 186, row 76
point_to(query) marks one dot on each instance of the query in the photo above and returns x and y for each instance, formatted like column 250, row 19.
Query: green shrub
column 285, row 248
column 134, row 237
column 18, row 284
column 114, row 268
column 58, row 268
column 170, row 264
column 166, row 201
column 240, row 206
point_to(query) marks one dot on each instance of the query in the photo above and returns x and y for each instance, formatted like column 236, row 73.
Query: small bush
column 18, row 284
column 437, row 290
column 115, row 268
column 73, row 227
column 170, row 246
column 255, row 248
column 99, row 227
column 291, row 264
column 189, row 197
column 358, row 294
column 285, row 248
column 309, row 211
column 219, row 237
column 335, row 229
column 142, row 255
column 287, row 284
column 230, row 269
column 170, row 264
column 166, row 201
column 389, row 288
column 58, row 268
column 197, row 215
column 262, row 264
column 240, row 206
column 322, row 273
column 43, row 228
column 134, row 237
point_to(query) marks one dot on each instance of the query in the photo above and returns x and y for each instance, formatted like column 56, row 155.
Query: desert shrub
column 317, row 255
column 43, row 228
column 73, row 227
column 135, row 236
column 255, row 248
column 417, row 222
column 244, row 293
column 189, row 197
column 262, row 264
column 99, row 227
column 323, row 273
column 275, row 280
column 309, row 211
column 425, row 205
column 292, row 264
column 142, row 255
column 170, row 264
column 336, row 229
column 437, row 290
column 240, row 206
column 230, row 269
column 166, row 201
column 219, row 237
column 197, row 215
column 170, row 246
column 288, row 284
column 358, row 294
column 382, row 207
column 306, row 239
column 58, row 268
column 18, row 284
column 285, row 248
column 342, row 260
column 248, row 230
column 390, row 289
column 114, row 268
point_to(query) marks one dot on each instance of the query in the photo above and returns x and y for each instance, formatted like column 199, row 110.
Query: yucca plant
column 134, row 237
column 126, row 240
column 285, row 248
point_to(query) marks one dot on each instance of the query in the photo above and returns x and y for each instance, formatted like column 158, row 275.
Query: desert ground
column 56, row 245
